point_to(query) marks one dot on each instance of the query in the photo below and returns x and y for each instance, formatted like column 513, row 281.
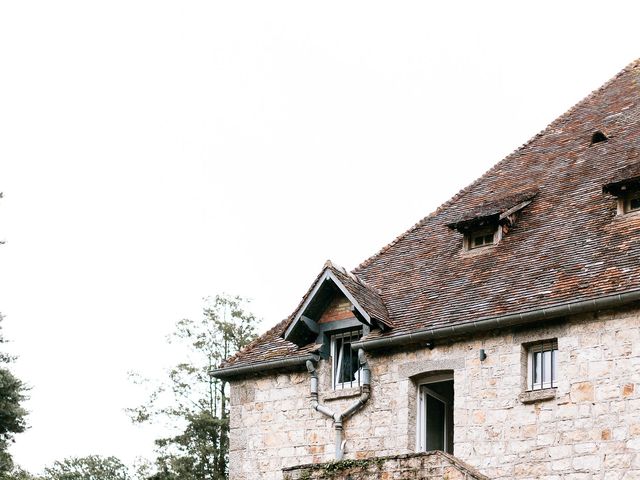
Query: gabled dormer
column 338, row 310
column 337, row 302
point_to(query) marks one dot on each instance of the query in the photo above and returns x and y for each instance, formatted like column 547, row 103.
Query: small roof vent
column 598, row 137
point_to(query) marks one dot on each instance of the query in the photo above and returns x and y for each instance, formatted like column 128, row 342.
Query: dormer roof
column 493, row 212
column 625, row 180
column 368, row 306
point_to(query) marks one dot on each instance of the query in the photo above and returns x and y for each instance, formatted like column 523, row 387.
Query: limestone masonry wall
column 589, row 428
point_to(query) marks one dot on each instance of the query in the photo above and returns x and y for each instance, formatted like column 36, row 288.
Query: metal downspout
column 338, row 418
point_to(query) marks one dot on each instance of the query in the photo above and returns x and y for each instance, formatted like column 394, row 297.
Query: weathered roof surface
column 269, row 346
column 568, row 244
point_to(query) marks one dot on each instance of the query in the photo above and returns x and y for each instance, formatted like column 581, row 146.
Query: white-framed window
column 435, row 414
column 542, row 363
column 482, row 237
column 345, row 369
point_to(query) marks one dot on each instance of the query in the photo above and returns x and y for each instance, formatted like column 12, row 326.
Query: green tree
column 93, row 467
column 194, row 401
column 19, row 473
column 12, row 413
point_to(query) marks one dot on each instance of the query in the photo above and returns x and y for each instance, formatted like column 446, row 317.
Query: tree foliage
column 195, row 402
column 93, row 467
column 12, row 413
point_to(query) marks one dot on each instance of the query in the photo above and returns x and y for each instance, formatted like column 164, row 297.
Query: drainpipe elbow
column 364, row 366
column 311, row 367
column 362, row 356
column 324, row 410
column 365, row 396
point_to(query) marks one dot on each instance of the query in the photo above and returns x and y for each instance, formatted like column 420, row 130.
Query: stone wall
column 587, row 428
column 416, row 466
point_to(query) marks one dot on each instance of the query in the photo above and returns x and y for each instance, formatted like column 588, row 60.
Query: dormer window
column 626, row 188
column 345, row 367
column 482, row 237
column 487, row 223
column 632, row 202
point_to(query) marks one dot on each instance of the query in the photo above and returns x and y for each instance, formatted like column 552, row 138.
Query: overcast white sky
column 153, row 153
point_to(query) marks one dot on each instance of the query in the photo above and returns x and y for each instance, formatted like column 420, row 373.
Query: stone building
column 501, row 332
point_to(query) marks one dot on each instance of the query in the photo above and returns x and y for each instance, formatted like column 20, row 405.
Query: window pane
column 547, row 366
column 345, row 360
column 435, row 423
column 477, row 241
column 349, row 364
column 336, row 357
column 345, row 370
column 634, row 204
column 544, row 364
column 488, row 238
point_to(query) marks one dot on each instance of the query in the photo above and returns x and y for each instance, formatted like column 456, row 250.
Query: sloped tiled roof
column 269, row 346
column 568, row 245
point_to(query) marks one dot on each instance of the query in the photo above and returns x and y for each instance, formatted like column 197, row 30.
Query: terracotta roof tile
column 568, row 245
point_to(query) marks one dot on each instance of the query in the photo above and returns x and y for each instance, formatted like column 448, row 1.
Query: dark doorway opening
column 436, row 415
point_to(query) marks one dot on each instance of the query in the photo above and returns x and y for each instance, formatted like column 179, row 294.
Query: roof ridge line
column 366, row 262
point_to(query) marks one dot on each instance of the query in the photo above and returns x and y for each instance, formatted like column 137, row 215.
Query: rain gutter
column 262, row 366
column 492, row 323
